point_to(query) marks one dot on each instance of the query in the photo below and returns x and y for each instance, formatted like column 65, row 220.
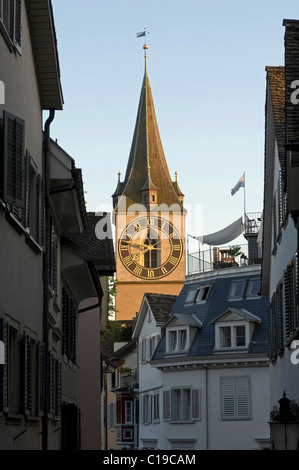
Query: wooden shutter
column 26, row 212
column 288, row 300
column 242, row 397
column 196, row 403
column 18, row 24
column 41, row 211
column 274, row 223
column 64, row 320
column 51, row 383
column 166, row 405
column 4, row 390
column 14, row 136
column 40, row 378
column 27, row 375
column 228, row 397
column 57, row 388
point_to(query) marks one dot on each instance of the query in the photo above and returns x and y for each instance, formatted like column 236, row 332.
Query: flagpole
column 244, row 198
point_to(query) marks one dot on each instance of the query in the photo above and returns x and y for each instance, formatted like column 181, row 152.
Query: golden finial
column 176, row 175
column 119, row 173
column 149, row 169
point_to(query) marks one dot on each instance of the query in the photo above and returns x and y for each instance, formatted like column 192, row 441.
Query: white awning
column 225, row 235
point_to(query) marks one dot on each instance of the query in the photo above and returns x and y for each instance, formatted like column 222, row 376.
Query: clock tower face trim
column 132, row 248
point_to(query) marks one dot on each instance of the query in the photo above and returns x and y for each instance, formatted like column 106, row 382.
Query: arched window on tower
column 152, row 257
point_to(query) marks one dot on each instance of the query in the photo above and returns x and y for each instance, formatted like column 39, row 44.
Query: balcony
column 231, row 256
column 128, row 378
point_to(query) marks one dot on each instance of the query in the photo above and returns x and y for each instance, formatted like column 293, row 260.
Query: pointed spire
column 147, row 151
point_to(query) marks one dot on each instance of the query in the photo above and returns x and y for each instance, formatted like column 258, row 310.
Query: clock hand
column 134, row 243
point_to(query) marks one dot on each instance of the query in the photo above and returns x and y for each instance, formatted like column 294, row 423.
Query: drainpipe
column 46, row 265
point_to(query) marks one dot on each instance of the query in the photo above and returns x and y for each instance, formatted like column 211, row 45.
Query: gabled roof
column 276, row 83
column 90, row 247
column 123, row 351
column 44, row 46
column 160, row 306
column 185, row 318
column 239, row 312
column 147, row 151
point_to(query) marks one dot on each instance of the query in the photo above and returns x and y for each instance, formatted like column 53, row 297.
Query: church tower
column 149, row 216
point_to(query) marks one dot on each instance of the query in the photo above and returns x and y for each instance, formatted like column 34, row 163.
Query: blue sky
column 206, row 64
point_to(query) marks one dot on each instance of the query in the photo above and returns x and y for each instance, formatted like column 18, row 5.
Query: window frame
column 232, row 297
column 10, row 37
column 184, row 405
column 249, row 288
column 233, row 336
column 128, row 412
column 176, row 331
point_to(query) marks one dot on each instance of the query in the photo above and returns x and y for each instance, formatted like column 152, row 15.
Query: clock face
column 150, row 247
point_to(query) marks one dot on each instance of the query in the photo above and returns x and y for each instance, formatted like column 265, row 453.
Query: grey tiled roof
column 218, row 302
column 90, row 247
column 160, row 305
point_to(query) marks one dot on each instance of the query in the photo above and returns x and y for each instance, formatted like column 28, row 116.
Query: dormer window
column 198, row 295
column 234, row 329
column 237, row 290
column 232, row 336
column 177, row 340
column 254, row 288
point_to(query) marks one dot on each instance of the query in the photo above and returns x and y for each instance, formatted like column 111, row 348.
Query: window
column 203, row 293
column 144, row 349
column 128, row 412
column 11, row 21
column 235, row 398
column 113, row 379
column 198, row 295
column 156, row 406
column 191, row 296
column 111, row 415
column 127, row 434
column 153, row 198
column 237, row 290
column 181, row 404
column 178, row 340
column 232, row 336
column 53, row 256
column 276, row 333
column 69, row 327
column 13, row 163
column 146, row 412
column 290, row 297
column 254, row 288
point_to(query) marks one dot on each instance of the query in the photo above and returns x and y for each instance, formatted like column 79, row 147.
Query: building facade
column 280, row 224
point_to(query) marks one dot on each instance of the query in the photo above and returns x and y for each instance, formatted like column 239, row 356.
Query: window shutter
column 18, row 23
column 196, row 403
column 27, row 375
column 288, row 300
column 41, row 211
column 228, row 397
column 242, row 397
column 51, row 382
column 26, row 213
column 40, row 377
column 166, row 405
column 274, row 222
column 64, row 320
column 4, row 391
column 109, row 416
column 57, row 388
column 14, row 136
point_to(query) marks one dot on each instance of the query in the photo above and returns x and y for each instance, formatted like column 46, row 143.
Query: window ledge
column 190, row 421
column 231, row 351
column 249, row 418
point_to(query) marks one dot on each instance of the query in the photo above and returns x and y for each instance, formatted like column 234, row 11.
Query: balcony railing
column 128, row 378
column 217, row 258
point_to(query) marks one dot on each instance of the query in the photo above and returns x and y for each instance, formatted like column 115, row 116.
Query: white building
column 206, row 384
